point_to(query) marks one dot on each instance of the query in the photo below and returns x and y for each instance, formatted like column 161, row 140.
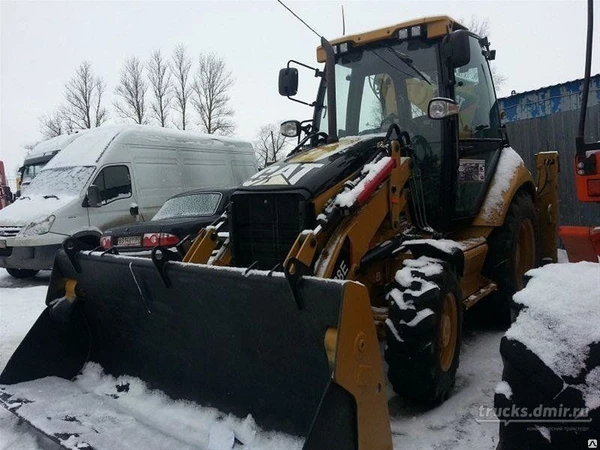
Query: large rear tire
column 21, row 273
column 424, row 331
column 513, row 251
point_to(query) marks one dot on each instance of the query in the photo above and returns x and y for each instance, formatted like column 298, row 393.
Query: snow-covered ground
column 451, row 426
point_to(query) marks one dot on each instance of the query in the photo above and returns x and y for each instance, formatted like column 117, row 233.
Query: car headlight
column 41, row 226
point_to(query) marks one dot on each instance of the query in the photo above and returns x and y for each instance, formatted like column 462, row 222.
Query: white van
column 112, row 176
column 39, row 156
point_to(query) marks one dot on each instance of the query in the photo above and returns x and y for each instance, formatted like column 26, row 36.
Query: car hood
column 27, row 209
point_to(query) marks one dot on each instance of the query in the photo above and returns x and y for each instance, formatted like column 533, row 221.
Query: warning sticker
column 471, row 171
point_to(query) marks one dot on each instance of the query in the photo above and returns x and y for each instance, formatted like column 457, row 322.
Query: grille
column 9, row 231
column 265, row 226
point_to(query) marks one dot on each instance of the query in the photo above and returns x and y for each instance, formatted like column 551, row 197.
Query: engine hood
column 317, row 169
column 26, row 209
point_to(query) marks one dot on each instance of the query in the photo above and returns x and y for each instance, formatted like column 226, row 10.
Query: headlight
column 38, row 227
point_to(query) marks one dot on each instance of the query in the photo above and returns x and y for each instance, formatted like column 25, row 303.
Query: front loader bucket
column 240, row 341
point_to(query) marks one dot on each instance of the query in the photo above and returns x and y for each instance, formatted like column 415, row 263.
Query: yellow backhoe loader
column 401, row 207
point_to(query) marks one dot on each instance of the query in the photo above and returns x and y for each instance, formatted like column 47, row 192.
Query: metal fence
column 547, row 120
column 557, row 132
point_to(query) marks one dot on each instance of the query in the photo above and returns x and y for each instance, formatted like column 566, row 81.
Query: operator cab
column 390, row 76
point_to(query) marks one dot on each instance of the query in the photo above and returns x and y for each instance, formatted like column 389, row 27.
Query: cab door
column 116, row 197
column 479, row 132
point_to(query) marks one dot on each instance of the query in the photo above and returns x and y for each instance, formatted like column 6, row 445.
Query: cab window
column 479, row 117
column 479, row 133
column 114, row 183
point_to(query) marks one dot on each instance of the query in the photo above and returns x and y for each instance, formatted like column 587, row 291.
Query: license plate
column 129, row 241
column 2, row 243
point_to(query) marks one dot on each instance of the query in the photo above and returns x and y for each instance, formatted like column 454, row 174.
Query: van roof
column 89, row 148
column 52, row 145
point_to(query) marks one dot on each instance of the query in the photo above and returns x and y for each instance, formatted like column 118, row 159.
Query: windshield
column 60, row 180
column 385, row 84
column 393, row 82
column 30, row 171
column 204, row 204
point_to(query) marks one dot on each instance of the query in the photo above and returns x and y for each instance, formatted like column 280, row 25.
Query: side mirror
column 93, row 196
column 288, row 82
column 134, row 210
column 457, row 48
column 290, row 128
column 441, row 107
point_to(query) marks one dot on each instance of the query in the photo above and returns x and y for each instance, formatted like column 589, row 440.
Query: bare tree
column 53, row 124
column 482, row 29
column 180, row 69
column 83, row 99
column 270, row 145
column 132, row 90
column 159, row 75
column 211, row 100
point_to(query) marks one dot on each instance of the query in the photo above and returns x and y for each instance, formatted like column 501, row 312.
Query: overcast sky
column 538, row 43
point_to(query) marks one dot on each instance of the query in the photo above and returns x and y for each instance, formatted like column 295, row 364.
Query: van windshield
column 60, row 180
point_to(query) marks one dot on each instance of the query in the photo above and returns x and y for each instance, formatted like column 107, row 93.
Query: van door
column 116, row 197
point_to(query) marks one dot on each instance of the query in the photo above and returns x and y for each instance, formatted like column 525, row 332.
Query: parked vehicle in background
column 111, row 176
column 182, row 215
column 39, row 156
column 6, row 195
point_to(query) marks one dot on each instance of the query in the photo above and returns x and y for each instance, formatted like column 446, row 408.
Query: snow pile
column 206, row 427
column 508, row 164
column 347, row 198
column 105, row 412
column 561, row 316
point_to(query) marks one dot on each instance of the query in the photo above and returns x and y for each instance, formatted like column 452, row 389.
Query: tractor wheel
column 513, row 251
column 423, row 330
column 21, row 273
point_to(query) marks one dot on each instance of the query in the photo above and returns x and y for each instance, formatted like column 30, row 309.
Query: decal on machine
column 471, row 170
column 286, row 175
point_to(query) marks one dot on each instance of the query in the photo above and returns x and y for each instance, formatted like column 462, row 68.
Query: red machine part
column 587, row 177
column 581, row 243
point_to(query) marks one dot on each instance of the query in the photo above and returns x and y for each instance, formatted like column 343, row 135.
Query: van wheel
column 22, row 273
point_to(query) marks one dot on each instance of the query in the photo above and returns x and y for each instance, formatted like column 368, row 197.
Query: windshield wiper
column 409, row 62
column 51, row 196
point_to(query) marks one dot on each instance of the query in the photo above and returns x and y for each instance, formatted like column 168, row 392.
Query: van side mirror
column 134, row 210
column 92, row 198
column 457, row 48
column 288, row 82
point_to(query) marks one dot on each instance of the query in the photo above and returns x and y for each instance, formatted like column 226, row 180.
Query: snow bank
column 561, row 316
column 508, row 164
